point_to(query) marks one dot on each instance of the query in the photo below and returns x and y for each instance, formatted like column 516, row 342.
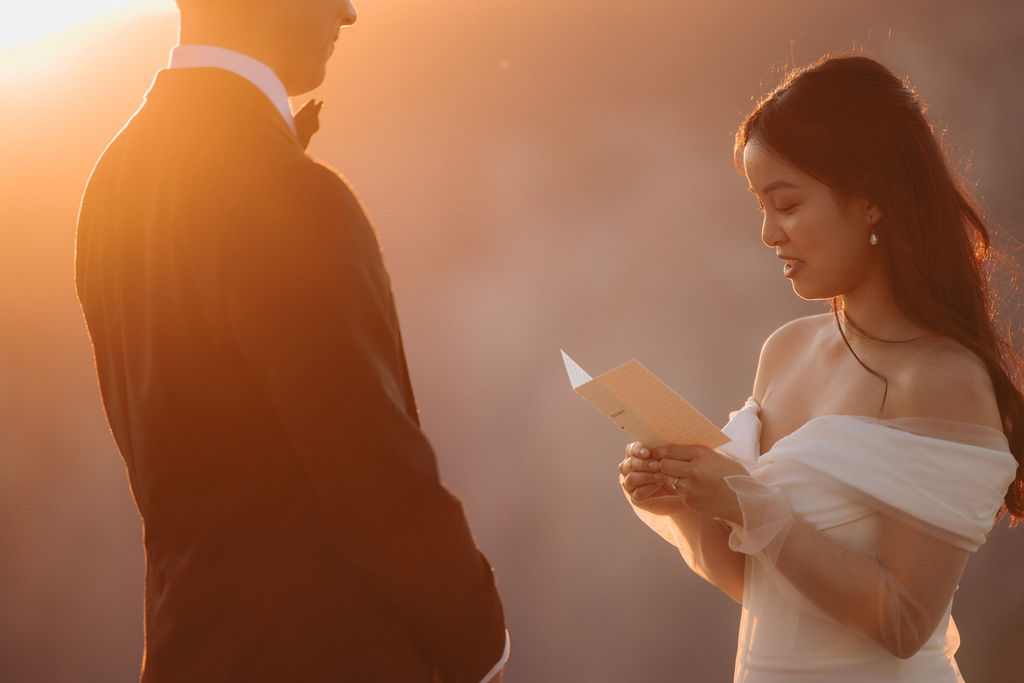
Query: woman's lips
column 792, row 267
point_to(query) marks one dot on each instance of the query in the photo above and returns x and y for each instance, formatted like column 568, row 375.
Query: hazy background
column 543, row 175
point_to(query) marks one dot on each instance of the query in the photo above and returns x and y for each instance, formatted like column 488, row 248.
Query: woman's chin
column 809, row 293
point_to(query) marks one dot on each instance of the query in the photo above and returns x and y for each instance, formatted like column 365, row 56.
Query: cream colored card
column 637, row 401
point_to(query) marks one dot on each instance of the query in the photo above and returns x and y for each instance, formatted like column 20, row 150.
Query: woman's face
column 822, row 238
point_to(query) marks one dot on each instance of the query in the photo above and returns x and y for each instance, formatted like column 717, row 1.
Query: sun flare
column 31, row 21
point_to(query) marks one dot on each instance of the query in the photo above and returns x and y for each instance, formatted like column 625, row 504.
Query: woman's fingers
column 635, row 464
column 638, row 450
column 697, row 462
column 636, row 480
column 680, row 452
column 677, row 469
column 642, row 493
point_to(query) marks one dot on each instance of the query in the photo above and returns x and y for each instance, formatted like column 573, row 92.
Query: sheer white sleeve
column 932, row 489
column 862, row 522
column 767, row 518
column 703, row 542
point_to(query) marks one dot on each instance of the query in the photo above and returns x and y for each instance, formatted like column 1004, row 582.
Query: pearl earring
column 873, row 240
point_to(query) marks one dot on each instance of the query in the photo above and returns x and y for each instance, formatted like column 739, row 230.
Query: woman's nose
column 771, row 234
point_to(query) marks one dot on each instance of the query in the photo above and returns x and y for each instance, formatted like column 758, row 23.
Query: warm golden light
column 541, row 175
column 33, row 20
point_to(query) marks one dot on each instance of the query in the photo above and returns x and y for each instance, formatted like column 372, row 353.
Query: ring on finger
column 673, row 483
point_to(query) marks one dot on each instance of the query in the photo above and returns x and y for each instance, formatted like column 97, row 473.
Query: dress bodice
column 842, row 473
column 845, row 474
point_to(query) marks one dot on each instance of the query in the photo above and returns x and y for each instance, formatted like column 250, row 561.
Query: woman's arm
column 702, row 540
column 896, row 598
column 709, row 541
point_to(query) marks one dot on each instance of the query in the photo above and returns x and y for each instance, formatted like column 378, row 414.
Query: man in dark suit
column 253, row 376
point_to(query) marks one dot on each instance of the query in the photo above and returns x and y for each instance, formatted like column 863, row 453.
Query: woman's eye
column 789, row 208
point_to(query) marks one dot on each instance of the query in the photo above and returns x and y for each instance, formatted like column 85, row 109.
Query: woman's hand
column 697, row 476
column 641, row 479
column 702, row 541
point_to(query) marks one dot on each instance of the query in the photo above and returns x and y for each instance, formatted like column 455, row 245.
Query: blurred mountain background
column 542, row 175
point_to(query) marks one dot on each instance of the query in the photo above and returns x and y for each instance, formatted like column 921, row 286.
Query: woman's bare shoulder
column 799, row 331
column 944, row 381
column 779, row 348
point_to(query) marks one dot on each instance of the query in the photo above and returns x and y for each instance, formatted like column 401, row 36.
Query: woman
column 882, row 439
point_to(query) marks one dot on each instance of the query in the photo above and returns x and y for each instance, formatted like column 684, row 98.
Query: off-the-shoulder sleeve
column 946, row 479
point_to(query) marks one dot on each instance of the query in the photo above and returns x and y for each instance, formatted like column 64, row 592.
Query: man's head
column 293, row 37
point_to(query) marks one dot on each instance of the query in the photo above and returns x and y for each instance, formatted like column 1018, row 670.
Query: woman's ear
column 874, row 214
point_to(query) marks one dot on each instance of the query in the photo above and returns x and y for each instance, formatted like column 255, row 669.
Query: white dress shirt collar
column 252, row 70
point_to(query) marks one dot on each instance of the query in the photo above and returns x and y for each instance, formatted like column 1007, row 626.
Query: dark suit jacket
column 253, row 376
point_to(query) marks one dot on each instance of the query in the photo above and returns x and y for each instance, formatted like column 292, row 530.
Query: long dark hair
column 853, row 125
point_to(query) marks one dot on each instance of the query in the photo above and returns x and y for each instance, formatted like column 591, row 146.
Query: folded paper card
column 644, row 406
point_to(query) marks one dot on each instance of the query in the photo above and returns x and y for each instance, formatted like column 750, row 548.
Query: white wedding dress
column 841, row 474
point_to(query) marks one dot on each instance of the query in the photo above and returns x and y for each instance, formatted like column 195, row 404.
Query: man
column 253, row 376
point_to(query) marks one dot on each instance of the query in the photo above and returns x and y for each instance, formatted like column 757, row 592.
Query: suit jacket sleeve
column 309, row 305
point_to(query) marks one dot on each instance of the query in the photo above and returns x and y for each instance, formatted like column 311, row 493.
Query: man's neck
column 189, row 56
column 249, row 34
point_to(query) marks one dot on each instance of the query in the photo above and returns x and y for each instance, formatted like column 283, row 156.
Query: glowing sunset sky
column 31, row 20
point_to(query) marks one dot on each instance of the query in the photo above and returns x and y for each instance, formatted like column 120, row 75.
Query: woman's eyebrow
column 777, row 185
